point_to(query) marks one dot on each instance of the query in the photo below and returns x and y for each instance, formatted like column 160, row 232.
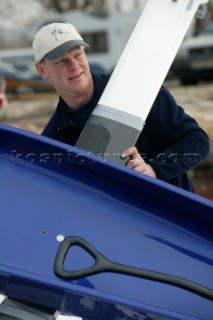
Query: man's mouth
column 77, row 76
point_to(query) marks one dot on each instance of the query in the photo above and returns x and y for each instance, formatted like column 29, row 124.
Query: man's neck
column 78, row 100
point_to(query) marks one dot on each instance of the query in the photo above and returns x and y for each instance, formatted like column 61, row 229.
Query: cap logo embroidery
column 57, row 33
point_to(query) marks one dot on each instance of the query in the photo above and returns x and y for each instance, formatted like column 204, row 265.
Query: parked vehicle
column 106, row 34
column 194, row 60
column 18, row 69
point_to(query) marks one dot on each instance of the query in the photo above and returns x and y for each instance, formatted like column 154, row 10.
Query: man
column 171, row 142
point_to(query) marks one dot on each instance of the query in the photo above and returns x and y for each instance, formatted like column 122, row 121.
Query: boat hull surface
column 50, row 191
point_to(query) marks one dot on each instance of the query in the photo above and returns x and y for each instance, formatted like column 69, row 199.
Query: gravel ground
column 198, row 102
column 31, row 112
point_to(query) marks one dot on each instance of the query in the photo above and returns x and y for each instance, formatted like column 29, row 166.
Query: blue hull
column 50, row 191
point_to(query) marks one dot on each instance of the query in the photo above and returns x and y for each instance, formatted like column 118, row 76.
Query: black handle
column 102, row 264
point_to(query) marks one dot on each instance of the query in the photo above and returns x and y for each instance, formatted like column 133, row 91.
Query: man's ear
column 41, row 70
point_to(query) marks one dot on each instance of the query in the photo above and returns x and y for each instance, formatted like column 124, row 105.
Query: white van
column 107, row 34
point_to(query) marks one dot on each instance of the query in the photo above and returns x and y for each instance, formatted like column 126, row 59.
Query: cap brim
column 62, row 49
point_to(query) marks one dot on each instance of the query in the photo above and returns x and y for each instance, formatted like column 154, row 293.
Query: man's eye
column 77, row 54
column 60, row 61
column 63, row 61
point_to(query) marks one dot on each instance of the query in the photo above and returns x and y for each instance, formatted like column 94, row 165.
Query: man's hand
column 136, row 162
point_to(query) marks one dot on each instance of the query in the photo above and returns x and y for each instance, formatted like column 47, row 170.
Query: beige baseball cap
column 54, row 40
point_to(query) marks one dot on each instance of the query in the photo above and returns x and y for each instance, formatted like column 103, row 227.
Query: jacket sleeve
column 183, row 143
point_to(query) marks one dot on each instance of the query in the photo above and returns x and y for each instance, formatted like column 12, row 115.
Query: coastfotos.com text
column 59, row 158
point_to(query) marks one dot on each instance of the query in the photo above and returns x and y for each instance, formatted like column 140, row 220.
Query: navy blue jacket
column 171, row 141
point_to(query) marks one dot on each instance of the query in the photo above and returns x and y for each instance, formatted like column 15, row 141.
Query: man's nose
column 71, row 62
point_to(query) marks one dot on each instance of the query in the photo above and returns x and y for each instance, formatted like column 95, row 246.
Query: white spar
column 147, row 57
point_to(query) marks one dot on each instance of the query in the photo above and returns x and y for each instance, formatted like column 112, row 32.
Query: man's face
column 68, row 74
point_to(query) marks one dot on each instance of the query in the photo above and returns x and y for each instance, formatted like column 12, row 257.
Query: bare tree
column 94, row 4
column 62, row 5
